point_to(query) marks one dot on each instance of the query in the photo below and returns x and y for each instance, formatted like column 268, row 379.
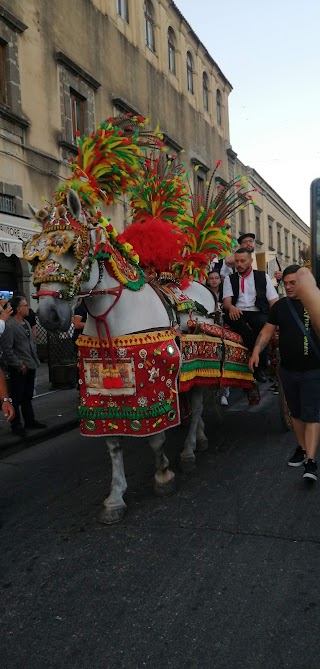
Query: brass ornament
column 135, row 425
column 90, row 425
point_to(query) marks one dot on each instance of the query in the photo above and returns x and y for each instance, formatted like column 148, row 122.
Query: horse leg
column 164, row 478
column 114, row 507
column 202, row 440
column 187, row 455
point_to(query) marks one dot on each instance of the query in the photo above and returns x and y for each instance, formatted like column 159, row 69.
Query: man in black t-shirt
column 299, row 369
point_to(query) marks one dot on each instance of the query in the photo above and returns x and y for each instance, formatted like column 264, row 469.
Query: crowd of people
column 251, row 307
column 246, row 300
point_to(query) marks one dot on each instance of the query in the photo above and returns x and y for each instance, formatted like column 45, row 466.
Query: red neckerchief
column 243, row 277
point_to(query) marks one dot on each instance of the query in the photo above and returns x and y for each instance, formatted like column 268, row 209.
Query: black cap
column 246, row 234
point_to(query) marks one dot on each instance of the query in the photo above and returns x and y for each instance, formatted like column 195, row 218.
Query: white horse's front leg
column 164, row 478
column 114, row 507
column 202, row 440
column 187, row 455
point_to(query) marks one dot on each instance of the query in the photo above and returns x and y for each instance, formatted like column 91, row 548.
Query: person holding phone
column 5, row 313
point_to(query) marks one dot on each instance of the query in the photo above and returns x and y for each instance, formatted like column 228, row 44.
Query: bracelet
column 6, row 399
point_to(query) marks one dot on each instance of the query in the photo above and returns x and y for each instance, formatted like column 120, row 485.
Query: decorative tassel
column 112, row 378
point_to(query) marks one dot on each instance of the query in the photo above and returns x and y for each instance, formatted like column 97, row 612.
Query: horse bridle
column 60, row 294
column 116, row 291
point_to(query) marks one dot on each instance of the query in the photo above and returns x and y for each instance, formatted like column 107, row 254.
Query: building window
column 205, row 90
column 11, row 114
column 122, row 9
column 149, row 22
column 294, row 249
column 77, row 114
column 200, row 178
column 200, row 190
column 171, row 51
column 7, row 204
column 299, row 250
column 77, row 102
column 286, row 243
column 279, row 240
column 219, row 107
column 270, row 234
column 258, row 225
column 189, row 72
column 3, row 82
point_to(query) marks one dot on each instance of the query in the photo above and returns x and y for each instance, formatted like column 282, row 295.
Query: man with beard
column 248, row 241
column 247, row 297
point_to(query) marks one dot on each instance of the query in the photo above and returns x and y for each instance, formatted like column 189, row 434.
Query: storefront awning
column 10, row 245
column 18, row 227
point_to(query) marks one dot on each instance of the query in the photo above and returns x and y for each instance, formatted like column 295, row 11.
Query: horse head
column 77, row 252
column 60, row 257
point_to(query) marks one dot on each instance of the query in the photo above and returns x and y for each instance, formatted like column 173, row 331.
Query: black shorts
column 302, row 392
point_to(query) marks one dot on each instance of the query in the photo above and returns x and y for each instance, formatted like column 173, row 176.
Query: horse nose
column 54, row 316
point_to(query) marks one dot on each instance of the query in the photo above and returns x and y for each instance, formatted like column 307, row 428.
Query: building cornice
column 231, row 154
column 8, row 115
column 124, row 105
column 167, row 139
column 62, row 59
column 11, row 21
column 197, row 161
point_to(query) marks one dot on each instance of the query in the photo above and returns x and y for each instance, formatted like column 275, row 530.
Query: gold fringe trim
column 199, row 338
column 127, row 340
column 226, row 374
column 203, row 373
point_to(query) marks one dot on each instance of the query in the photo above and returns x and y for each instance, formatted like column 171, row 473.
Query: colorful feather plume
column 159, row 202
column 207, row 230
column 109, row 163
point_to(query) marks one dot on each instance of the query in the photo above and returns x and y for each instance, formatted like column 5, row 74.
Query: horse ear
column 33, row 209
column 74, row 204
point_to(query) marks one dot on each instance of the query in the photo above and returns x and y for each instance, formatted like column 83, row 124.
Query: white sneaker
column 224, row 401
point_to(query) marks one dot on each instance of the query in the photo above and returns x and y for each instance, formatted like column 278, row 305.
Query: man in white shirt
column 248, row 241
column 247, row 297
column 245, row 241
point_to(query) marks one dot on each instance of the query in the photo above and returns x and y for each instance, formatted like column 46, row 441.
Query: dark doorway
column 10, row 273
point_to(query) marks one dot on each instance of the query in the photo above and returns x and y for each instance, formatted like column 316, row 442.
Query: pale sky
column 270, row 53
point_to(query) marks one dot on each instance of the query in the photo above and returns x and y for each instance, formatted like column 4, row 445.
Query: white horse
column 128, row 312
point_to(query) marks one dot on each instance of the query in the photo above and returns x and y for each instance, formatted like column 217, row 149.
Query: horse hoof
column 165, row 489
column 188, row 465
column 202, row 445
column 111, row 516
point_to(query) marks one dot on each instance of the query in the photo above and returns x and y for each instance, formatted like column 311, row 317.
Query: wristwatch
column 6, row 399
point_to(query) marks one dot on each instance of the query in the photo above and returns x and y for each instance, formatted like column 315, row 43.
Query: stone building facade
column 67, row 66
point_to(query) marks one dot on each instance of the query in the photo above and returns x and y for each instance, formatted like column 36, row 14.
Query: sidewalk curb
column 20, row 444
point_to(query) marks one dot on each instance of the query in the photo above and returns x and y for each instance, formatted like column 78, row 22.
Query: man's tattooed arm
column 264, row 337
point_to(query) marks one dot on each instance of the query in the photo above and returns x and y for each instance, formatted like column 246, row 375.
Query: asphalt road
column 224, row 574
